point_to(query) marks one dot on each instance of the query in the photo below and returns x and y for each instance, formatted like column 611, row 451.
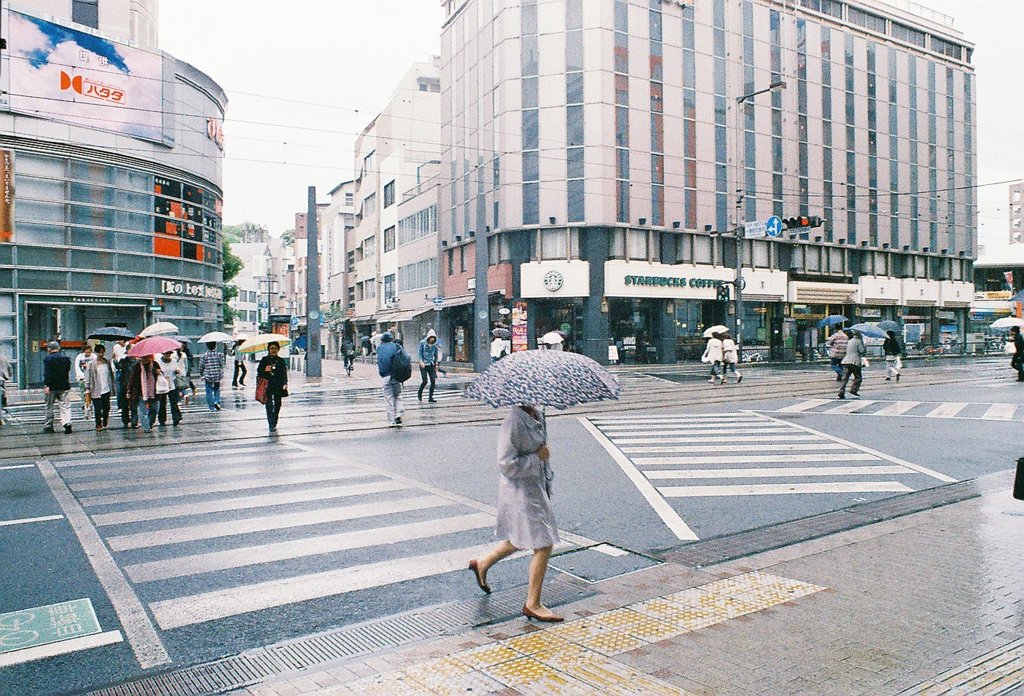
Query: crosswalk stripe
column 774, row 472
column 805, row 406
column 218, row 604
column 848, row 407
column 645, row 427
column 301, row 548
column 203, row 454
column 245, row 503
column 670, row 418
column 264, row 469
column 662, row 461
column 784, row 489
column 898, row 408
column 763, row 447
column 744, row 436
column 1000, row 412
column 946, row 410
column 227, row 486
column 680, row 430
column 178, row 535
column 135, row 469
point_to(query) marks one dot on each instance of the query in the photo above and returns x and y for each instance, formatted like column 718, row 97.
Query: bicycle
column 350, row 360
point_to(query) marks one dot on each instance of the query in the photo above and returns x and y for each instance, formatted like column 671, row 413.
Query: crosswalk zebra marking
column 219, row 604
column 746, row 436
column 234, row 470
column 773, row 472
column 197, row 532
column 784, row 489
column 299, row 548
column 150, row 514
column 909, row 409
column 269, row 481
column 134, row 457
column 762, row 447
column 717, row 459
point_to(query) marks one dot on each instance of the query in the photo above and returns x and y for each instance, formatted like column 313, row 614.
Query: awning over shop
column 402, row 315
column 458, row 301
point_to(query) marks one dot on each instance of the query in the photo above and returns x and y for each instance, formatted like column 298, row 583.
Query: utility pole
column 313, row 371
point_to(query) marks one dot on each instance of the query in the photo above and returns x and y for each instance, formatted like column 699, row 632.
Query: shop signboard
column 84, row 79
column 871, row 313
column 6, row 196
column 520, row 341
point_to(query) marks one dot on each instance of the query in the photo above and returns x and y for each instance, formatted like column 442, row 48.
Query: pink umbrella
column 154, row 345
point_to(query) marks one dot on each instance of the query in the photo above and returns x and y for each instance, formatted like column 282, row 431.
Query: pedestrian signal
column 723, row 293
column 794, row 223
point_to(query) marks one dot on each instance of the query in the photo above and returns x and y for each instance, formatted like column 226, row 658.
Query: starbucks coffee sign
column 669, row 281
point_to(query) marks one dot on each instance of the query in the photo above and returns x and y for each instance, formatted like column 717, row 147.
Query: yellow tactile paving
column 575, row 657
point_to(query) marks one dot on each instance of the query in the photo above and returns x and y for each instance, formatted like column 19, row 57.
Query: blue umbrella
column 889, row 325
column 544, row 378
column 869, row 330
column 832, row 319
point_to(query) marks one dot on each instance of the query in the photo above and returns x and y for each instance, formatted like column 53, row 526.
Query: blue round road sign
column 773, row 226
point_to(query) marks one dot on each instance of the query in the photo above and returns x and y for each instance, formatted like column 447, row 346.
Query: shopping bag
column 262, row 384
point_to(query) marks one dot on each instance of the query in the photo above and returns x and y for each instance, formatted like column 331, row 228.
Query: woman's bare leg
column 503, row 550
column 538, row 567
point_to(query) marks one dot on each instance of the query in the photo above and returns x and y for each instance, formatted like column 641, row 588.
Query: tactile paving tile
column 528, row 674
column 539, row 642
column 609, row 676
column 614, row 642
column 388, row 684
column 487, row 655
column 471, row 682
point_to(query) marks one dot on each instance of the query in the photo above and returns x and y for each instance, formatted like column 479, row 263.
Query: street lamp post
column 740, row 194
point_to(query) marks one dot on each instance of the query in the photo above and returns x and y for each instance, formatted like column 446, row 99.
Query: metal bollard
column 1018, row 481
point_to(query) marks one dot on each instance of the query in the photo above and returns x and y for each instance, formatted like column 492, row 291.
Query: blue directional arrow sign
column 773, row 226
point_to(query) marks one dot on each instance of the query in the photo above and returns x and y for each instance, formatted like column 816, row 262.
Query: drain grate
column 243, row 670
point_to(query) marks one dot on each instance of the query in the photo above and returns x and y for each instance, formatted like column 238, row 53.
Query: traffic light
column 794, row 223
column 723, row 292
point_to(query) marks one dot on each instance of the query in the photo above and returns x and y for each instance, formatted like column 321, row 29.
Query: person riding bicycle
column 348, row 352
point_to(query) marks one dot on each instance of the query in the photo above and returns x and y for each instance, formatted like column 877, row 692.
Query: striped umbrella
column 544, row 378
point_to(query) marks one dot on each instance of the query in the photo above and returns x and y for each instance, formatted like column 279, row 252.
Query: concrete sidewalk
column 926, row 603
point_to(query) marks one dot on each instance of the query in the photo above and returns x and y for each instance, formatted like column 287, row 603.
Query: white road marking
column 868, row 450
column 186, row 611
column 245, row 503
column 142, row 456
column 180, row 491
column 676, row 427
column 27, row 520
column 1000, row 412
column 763, row 447
column 669, row 516
column 679, row 430
column 266, row 471
column 805, row 406
column 140, row 469
column 784, row 489
column 897, row 408
column 677, row 418
column 96, row 640
column 745, row 436
column 17, row 466
column 301, row 548
column 142, row 636
column 848, row 407
column 774, row 473
column 178, row 535
column 767, row 459
column 946, row 410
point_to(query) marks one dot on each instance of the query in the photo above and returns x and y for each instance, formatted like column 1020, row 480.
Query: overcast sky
column 303, row 82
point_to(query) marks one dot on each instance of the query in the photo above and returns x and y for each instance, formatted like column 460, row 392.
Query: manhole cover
column 601, row 562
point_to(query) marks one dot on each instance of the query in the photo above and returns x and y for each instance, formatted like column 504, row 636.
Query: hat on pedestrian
column 386, row 337
column 53, row 345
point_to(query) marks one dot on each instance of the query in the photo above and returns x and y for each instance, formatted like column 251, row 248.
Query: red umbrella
column 154, row 345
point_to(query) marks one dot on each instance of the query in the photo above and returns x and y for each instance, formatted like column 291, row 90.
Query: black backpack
column 401, row 366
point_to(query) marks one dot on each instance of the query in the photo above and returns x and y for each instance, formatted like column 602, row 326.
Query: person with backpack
column 429, row 356
column 394, row 368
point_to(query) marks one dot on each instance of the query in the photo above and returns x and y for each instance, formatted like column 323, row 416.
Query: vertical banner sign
column 519, row 338
column 6, row 196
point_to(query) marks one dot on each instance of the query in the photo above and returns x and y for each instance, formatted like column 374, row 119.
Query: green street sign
column 50, row 624
column 155, row 308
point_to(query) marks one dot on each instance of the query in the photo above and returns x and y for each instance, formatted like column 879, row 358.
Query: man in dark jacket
column 1018, row 357
column 391, row 389
column 57, row 382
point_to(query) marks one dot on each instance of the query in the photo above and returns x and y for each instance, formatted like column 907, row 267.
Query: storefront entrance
column 559, row 315
column 635, row 329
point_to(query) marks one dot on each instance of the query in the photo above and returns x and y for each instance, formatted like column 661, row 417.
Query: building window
column 389, row 194
column 389, row 287
column 389, row 239
column 451, row 262
column 349, row 198
column 946, row 48
column 419, row 275
column 498, row 249
column 86, row 12
column 462, row 259
column 911, row 36
column 418, row 225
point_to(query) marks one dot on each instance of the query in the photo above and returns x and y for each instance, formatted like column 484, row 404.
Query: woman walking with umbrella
column 526, row 519
column 274, row 370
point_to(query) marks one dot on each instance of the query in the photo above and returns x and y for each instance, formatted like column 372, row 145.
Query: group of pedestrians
column 722, row 354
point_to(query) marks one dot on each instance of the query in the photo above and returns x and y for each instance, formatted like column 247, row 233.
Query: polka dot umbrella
column 544, row 378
